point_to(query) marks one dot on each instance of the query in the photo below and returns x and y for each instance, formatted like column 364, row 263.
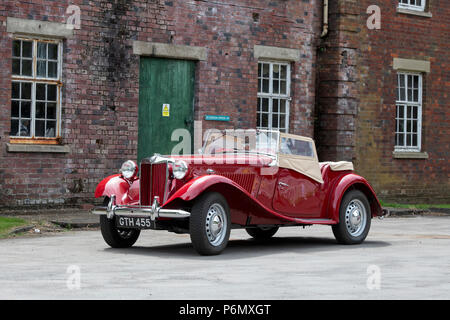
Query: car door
column 298, row 191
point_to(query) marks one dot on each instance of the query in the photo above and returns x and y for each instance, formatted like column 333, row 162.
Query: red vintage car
column 253, row 179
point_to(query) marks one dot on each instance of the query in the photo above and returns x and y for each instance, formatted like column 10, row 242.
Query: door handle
column 188, row 122
column 282, row 184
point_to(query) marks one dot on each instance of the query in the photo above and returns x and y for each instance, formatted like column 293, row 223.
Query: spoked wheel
column 354, row 218
column 262, row 233
column 117, row 237
column 210, row 224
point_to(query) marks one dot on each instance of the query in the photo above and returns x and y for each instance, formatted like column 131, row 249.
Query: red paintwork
column 125, row 192
column 253, row 197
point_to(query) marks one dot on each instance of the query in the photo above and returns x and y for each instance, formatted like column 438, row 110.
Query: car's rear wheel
column 262, row 233
column 117, row 237
column 354, row 218
column 210, row 224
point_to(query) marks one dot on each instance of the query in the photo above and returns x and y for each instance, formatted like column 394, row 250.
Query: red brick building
column 76, row 102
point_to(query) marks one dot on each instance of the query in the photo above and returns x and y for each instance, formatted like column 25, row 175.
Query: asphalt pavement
column 402, row 258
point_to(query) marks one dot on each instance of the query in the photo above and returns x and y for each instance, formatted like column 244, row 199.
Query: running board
column 316, row 221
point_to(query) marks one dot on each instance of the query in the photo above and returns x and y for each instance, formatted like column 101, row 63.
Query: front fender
column 195, row 187
column 124, row 191
column 353, row 181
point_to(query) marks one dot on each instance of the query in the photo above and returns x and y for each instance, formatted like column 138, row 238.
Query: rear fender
column 353, row 182
column 125, row 192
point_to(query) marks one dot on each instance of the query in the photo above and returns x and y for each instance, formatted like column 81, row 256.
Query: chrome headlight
column 179, row 169
column 129, row 169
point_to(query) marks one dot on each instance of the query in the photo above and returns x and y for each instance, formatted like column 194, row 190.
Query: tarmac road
column 402, row 258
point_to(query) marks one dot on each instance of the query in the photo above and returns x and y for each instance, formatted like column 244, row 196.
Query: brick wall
column 100, row 76
column 357, row 101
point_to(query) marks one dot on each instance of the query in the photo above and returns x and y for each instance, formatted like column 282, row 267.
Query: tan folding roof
column 307, row 164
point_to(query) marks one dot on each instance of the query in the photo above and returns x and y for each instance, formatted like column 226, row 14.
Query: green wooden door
column 166, row 103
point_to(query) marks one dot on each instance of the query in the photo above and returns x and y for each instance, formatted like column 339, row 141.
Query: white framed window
column 408, row 129
column 418, row 5
column 274, row 89
column 35, row 89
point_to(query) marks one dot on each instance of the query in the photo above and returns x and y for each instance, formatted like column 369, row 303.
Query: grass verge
column 7, row 224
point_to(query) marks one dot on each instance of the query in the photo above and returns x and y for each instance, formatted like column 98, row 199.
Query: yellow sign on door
column 166, row 110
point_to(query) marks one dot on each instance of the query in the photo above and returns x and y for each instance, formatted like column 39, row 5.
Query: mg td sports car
column 258, row 182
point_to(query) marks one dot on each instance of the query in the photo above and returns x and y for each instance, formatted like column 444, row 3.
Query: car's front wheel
column 210, row 224
column 354, row 218
column 262, row 233
column 117, row 237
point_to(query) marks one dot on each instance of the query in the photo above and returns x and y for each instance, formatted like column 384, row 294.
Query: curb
column 404, row 212
column 22, row 229
column 76, row 225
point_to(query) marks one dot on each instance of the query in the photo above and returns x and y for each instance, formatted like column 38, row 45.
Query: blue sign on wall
column 217, row 118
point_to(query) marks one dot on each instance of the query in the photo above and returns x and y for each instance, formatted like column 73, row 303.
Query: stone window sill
column 414, row 12
column 409, row 155
column 37, row 148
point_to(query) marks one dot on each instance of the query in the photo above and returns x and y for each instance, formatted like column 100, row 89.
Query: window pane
column 51, row 92
column 14, row 128
column 42, row 50
column 408, row 140
column 265, row 120
column 402, row 80
column 275, row 105
column 266, row 70
column 16, row 67
column 40, row 110
column 284, row 72
column 276, row 71
column 26, row 90
column 275, row 121
column 40, row 91
column 40, row 128
column 52, row 69
column 16, row 48
column 15, row 108
column 283, row 106
column 401, row 141
column 52, row 51
column 51, row 111
column 283, row 87
column 265, row 86
column 25, row 109
column 27, row 49
column 276, row 86
column 51, row 129
column 26, row 68
column 282, row 121
column 42, row 68
column 15, row 92
column 265, row 104
column 24, row 128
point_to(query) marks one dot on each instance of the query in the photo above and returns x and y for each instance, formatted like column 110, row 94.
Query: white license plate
column 134, row 222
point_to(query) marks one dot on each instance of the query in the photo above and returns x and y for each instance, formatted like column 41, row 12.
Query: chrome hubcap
column 355, row 217
column 216, row 224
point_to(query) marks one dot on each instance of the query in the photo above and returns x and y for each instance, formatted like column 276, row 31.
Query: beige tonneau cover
column 299, row 153
column 340, row 166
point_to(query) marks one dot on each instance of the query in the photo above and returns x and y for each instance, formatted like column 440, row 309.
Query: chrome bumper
column 154, row 212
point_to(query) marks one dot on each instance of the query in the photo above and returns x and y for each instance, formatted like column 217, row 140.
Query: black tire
column 262, row 233
column 116, row 237
column 342, row 230
column 200, row 225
